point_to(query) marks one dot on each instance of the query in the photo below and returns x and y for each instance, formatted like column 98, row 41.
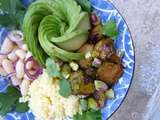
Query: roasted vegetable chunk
column 87, row 50
column 100, row 97
column 95, row 34
column 110, row 73
column 115, row 58
column 104, row 49
column 79, row 86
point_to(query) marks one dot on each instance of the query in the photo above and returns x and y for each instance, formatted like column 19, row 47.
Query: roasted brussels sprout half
column 104, row 49
column 86, row 63
column 79, row 85
column 110, row 73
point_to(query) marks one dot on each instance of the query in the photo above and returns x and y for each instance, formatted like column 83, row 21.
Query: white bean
column 29, row 54
column 2, row 57
column 15, row 80
column 20, row 69
column 7, row 66
column 29, row 65
column 24, row 47
column 20, row 53
column 12, row 56
column 7, row 46
column 24, row 87
column 2, row 72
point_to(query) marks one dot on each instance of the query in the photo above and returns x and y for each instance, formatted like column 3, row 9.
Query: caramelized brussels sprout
column 85, row 63
column 86, row 48
column 104, row 48
column 110, row 73
column 95, row 34
column 86, row 89
column 115, row 59
column 100, row 97
column 91, row 72
column 79, row 86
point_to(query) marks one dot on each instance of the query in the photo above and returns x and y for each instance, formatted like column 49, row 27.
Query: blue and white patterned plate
column 106, row 11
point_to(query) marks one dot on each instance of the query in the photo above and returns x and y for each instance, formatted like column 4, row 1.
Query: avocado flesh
column 51, row 49
column 47, row 22
column 78, row 38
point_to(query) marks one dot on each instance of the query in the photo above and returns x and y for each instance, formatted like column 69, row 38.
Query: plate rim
column 134, row 59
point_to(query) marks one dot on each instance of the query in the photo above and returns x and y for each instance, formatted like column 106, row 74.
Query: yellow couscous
column 47, row 104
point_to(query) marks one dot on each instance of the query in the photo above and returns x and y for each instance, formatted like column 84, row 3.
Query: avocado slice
column 49, row 19
column 74, row 40
column 50, row 48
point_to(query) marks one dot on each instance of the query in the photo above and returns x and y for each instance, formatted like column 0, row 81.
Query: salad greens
column 88, row 115
column 85, row 4
column 11, row 13
column 22, row 107
column 9, row 101
column 110, row 29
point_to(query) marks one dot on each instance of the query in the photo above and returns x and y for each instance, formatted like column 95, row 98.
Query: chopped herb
column 11, row 13
column 65, row 88
column 88, row 115
column 9, row 100
column 85, row 4
column 110, row 29
column 83, row 104
column 52, row 68
column 22, row 107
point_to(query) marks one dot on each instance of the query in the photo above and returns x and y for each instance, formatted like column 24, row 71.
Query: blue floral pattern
column 106, row 11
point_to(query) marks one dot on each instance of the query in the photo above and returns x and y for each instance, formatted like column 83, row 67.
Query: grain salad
column 47, row 104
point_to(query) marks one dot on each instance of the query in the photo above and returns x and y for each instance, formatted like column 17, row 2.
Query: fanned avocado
column 75, row 42
column 55, row 28
column 51, row 49
column 76, row 39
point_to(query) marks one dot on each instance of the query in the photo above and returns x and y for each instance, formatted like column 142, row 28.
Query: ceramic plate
column 106, row 11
